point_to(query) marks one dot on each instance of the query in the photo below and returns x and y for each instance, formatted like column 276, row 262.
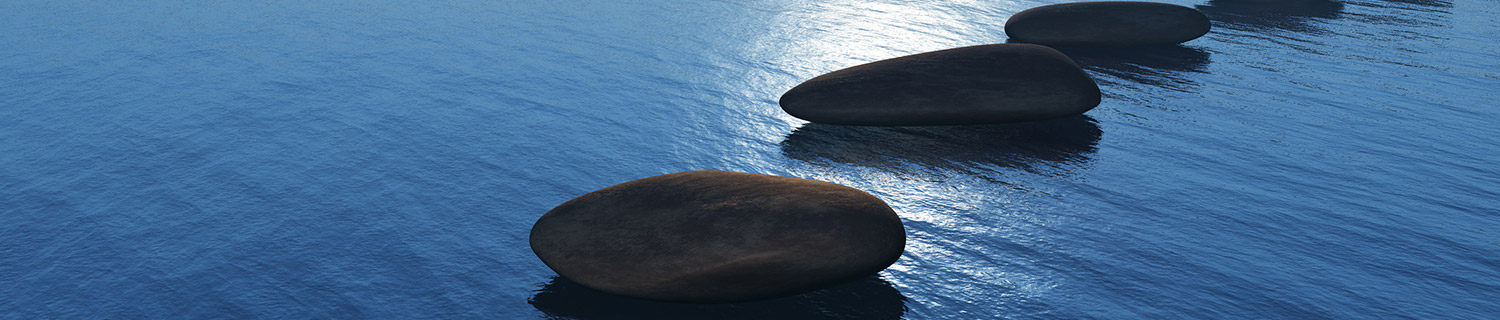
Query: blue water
column 386, row 159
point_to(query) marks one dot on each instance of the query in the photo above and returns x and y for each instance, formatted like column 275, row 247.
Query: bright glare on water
column 383, row 159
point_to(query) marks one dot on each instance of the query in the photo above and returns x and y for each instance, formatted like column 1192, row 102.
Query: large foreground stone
column 1107, row 23
column 985, row 84
column 715, row 236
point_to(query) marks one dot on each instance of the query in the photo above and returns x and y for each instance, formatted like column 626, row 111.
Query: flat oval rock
column 984, row 84
column 716, row 236
column 1107, row 24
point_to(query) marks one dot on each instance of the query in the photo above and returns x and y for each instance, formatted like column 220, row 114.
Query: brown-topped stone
column 716, row 236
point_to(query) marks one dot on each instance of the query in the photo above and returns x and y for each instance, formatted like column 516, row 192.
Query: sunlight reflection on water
column 378, row 159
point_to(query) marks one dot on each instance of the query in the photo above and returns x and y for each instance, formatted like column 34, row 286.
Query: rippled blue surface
column 385, row 159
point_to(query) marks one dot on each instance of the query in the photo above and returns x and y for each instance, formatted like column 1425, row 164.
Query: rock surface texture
column 985, row 84
column 715, row 236
column 1106, row 24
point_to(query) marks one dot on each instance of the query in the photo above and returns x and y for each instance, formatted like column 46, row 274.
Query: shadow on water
column 867, row 298
column 1291, row 15
column 1019, row 145
column 1148, row 65
column 1427, row 3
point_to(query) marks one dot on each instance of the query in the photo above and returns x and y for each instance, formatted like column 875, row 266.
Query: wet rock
column 715, row 236
column 1106, row 24
column 997, row 83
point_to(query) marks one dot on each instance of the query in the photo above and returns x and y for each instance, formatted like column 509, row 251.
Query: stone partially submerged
column 715, row 236
column 997, row 83
column 1107, row 24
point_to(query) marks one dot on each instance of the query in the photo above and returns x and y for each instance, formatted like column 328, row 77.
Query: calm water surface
column 385, row 159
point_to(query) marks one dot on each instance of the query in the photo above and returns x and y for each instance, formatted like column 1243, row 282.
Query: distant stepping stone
column 716, row 236
column 1107, row 24
column 985, row 84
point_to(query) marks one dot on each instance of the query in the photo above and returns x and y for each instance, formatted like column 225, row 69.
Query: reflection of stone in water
column 1019, row 145
column 1149, row 65
column 1429, row 3
column 1289, row 15
column 867, row 298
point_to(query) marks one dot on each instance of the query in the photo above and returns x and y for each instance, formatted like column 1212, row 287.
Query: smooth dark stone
column 987, row 84
column 716, row 236
column 1107, row 24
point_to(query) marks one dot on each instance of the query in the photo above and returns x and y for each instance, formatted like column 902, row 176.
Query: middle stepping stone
column 1107, row 24
column 995, row 83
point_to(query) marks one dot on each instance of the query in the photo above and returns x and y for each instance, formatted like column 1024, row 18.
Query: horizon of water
column 376, row 159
